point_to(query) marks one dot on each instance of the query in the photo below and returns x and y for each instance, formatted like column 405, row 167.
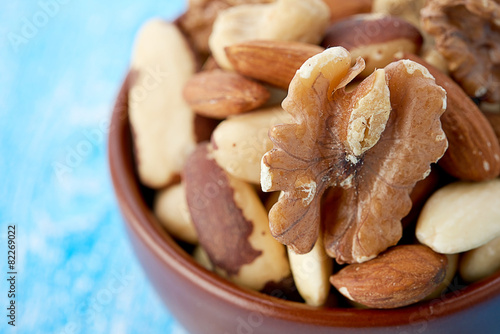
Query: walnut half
column 367, row 147
column 467, row 34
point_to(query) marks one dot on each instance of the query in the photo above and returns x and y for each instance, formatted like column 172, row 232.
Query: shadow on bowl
column 206, row 303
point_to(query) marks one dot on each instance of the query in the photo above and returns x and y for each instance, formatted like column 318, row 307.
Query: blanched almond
column 480, row 262
column 240, row 142
column 460, row 216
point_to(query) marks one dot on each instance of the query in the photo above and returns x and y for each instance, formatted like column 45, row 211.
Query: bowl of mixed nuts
column 322, row 166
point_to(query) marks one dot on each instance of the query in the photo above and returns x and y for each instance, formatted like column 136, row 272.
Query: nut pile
column 339, row 151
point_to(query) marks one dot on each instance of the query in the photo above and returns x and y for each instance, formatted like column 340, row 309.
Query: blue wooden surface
column 61, row 64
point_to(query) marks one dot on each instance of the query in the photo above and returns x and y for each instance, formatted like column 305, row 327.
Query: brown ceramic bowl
column 206, row 303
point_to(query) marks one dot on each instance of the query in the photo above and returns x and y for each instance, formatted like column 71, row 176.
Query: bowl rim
column 140, row 220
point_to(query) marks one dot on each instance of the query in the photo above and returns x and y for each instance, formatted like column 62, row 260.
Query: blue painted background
column 61, row 65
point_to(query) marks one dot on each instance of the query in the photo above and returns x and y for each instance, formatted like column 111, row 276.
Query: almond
column 473, row 150
column 218, row 94
column 340, row 9
column 400, row 276
column 494, row 119
column 274, row 62
column 446, row 285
